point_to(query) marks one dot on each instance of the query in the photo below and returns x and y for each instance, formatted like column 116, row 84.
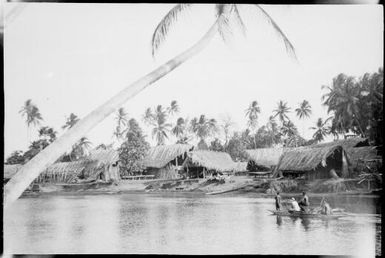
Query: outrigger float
column 302, row 214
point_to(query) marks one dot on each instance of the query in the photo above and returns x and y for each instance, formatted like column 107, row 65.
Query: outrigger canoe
column 302, row 214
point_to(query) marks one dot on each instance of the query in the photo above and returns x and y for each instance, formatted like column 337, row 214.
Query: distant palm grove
column 354, row 105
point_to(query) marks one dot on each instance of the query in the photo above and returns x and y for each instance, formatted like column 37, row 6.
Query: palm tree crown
column 31, row 112
column 71, row 121
column 321, row 130
column 304, row 110
column 252, row 113
column 282, row 111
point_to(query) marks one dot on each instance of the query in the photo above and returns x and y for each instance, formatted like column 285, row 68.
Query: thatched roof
column 159, row 156
column 220, row 161
column 362, row 153
column 11, row 170
column 305, row 158
column 346, row 144
column 74, row 167
column 266, row 157
column 240, row 166
column 103, row 157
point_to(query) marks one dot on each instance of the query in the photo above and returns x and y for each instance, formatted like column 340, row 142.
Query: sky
column 70, row 58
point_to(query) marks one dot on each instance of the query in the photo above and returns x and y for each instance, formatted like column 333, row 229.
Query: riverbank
column 235, row 185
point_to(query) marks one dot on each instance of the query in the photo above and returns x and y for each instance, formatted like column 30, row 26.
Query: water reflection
column 183, row 224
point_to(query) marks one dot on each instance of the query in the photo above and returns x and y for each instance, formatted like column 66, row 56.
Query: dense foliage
column 133, row 149
column 356, row 105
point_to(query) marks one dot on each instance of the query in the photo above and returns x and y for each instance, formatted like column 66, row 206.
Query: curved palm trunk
column 15, row 187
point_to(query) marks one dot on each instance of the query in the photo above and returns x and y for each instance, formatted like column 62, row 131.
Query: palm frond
column 164, row 26
column 239, row 19
column 289, row 47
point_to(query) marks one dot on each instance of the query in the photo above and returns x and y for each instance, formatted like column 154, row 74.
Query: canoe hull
column 300, row 214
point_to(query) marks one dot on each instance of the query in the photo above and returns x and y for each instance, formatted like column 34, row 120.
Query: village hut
column 264, row 159
column 314, row 163
column 165, row 161
column 10, row 171
column 104, row 165
column 200, row 163
column 63, row 172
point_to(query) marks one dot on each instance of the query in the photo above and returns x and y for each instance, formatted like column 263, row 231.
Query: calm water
column 182, row 224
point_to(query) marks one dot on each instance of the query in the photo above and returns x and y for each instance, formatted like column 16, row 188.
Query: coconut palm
column 203, row 127
column 321, row 130
column 71, row 121
column 303, row 111
column 252, row 114
column 272, row 127
column 80, row 149
column 161, row 127
column 224, row 12
column 282, row 111
column 342, row 100
column 179, row 128
column 174, row 108
column 121, row 118
column 31, row 114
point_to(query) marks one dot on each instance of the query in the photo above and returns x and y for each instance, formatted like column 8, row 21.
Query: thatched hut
column 104, row 165
column 199, row 163
column 263, row 159
column 63, row 172
column 165, row 161
column 314, row 163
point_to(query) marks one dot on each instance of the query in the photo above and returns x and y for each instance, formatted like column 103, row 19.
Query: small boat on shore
column 302, row 214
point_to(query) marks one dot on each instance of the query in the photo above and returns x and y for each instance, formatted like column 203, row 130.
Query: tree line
column 354, row 107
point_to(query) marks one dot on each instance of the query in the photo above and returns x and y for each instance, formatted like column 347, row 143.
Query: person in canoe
column 325, row 207
column 304, row 202
column 278, row 204
column 294, row 205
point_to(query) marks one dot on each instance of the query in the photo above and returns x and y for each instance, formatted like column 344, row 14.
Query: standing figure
column 304, row 202
column 278, row 205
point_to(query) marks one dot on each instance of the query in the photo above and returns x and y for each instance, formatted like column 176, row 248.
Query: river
column 184, row 223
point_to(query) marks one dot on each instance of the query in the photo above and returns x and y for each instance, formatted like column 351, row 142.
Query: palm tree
column 121, row 118
column 32, row 115
column 252, row 113
column 289, row 130
column 273, row 129
column 179, row 128
column 203, row 127
column 224, row 13
column 342, row 99
column 303, row 111
column 282, row 111
column 321, row 130
column 161, row 127
column 174, row 108
column 71, row 121
column 80, row 149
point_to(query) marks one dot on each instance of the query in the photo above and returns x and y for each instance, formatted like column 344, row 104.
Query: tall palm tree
column 303, row 111
column 71, row 121
column 321, row 130
column 252, row 114
column 203, row 127
column 174, row 108
column 179, row 129
column 121, row 118
column 224, row 13
column 282, row 111
column 342, row 100
column 32, row 115
column 80, row 149
column 273, row 129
